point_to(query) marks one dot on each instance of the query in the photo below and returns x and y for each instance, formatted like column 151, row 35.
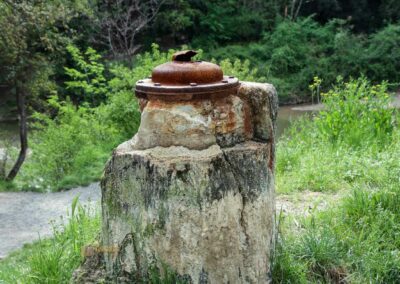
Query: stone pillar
column 205, row 214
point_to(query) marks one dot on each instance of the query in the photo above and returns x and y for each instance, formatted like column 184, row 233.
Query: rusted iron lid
column 183, row 71
column 184, row 76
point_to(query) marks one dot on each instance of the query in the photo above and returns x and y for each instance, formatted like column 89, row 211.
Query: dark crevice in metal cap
column 185, row 55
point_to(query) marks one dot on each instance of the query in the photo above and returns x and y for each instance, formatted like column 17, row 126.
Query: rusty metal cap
column 183, row 71
column 184, row 76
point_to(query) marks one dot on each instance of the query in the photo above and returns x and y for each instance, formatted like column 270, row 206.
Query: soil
column 306, row 202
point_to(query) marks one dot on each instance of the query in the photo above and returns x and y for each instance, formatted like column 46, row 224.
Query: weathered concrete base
column 205, row 214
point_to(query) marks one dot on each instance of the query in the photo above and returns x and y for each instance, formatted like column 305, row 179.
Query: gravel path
column 24, row 216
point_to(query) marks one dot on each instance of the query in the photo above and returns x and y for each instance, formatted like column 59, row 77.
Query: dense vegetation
column 289, row 41
column 355, row 240
column 74, row 65
column 351, row 149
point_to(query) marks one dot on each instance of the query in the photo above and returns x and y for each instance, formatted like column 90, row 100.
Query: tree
column 31, row 35
column 121, row 21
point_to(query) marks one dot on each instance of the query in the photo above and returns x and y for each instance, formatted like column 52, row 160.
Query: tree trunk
column 23, row 134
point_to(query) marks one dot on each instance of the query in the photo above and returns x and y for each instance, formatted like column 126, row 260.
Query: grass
column 356, row 240
column 53, row 260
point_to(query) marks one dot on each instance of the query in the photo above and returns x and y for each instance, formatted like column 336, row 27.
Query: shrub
column 240, row 69
column 294, row 52
column 121, row 108
column 356, row 113
column 87, row 82
column 382, row 55
column 69, row 149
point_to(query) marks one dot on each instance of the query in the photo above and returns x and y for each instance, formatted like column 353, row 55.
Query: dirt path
column 24, row 216
column 301, row 204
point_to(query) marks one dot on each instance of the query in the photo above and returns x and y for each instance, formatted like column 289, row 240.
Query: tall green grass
column 350, row 141
column 353, row 144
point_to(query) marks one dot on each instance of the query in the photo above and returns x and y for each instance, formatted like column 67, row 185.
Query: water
column 288, row 114
column 9, row 132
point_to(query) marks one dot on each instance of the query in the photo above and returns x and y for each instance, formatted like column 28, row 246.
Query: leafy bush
column 356, row 114
column 121, row 108
column 294, row 52
column 69, row 149
column 240, row 69
column 87, row 82
column 382, row 55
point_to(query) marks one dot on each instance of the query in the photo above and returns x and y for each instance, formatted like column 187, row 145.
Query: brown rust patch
column 248, row 121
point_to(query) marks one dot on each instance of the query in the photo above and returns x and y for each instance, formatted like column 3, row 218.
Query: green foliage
column 122, row 108
column 87, row 82
column 347, row 146
column 382, row 55
column 211, row 23
column 7, row 186
column 53, row 260
column 174, row 18
column 32, row 43
column 240, row 69
column 295, row 52
column 343, row 142
column 356, row 114
column 69, row 149
column 291, row 55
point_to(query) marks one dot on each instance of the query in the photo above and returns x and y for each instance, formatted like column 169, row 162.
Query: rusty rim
column 147, row 86
column 183, row 77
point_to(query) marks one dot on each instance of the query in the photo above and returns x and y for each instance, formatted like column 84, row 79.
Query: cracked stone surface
column 207, row 214
column 194, row 125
